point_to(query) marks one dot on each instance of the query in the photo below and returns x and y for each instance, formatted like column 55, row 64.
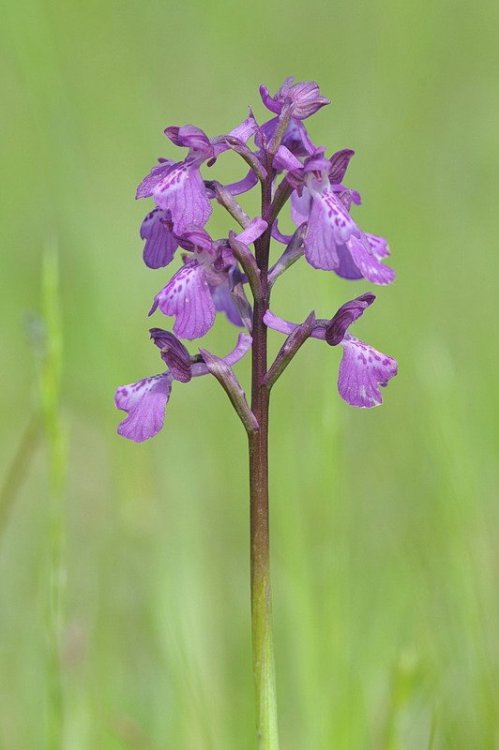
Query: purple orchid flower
column 303, row 98
column 363, row 369
column 333, row 241
column 145, row 401
column 203, row 285
column 225, row 275
column 178, row 187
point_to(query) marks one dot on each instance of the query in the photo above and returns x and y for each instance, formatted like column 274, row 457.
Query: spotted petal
column 155, row 176
column 329, row 225
column 187, row 296
column 363, row 370
column 145, row 402
column 358, row 253
column 182, row 191
column 379, row 246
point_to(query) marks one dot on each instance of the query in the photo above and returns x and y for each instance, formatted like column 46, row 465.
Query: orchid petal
column 195, row 237
column 379, row 246
column 193, row 138
column 182, row 191
column 242, row 186
column 339, row 164
column 296, row 138
column 269, row 101
column 329, row 225
column 161, row 244
column 346, row 267
column 279, row 236
column 364, row 259
column 187, row 297
column 145, row 402
column 285, row 160
column 301, row 206
column 173, row 353
column 303, row 98
column 155, row 176
column 362, row 371
column 345, row 316
column 223, row 302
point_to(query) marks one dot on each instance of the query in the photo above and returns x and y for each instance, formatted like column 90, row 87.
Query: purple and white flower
column 178, row 187
column 333, row 241
column 145, row 401
column 203, row 285
column 363, row 369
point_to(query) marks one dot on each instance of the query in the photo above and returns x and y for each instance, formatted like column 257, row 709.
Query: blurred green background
column 384, row 523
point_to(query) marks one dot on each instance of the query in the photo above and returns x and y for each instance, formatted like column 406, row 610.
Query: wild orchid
column 224, row 275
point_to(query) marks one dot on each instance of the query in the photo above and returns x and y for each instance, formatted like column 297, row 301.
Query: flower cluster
column 216, row 275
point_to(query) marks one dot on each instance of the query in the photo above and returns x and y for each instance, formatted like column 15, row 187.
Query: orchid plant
column 224, row 275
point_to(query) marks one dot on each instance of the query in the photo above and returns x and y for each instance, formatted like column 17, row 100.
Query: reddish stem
column 261, row 599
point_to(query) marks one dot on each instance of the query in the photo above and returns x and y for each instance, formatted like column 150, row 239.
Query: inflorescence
column 215, row 275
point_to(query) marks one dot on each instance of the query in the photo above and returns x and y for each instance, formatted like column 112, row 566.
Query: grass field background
column 384, row 523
